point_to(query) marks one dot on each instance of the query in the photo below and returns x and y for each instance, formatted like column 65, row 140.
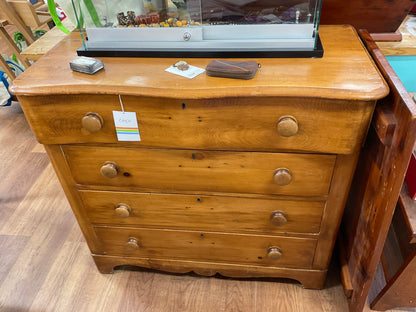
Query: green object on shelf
column 18, row 39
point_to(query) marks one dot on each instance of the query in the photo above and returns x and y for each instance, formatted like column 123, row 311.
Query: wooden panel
column 373, row 15
column 408, row 207
column 399, row 291
column 407, row 46
column 42, row 45
column 341, row 181
column 9, row 14
column 401, row 268
column 218, row 213
column 375, row 190
column 327, row 126
column 215, row 171
column 309, row 278
column 207, row 246
column 349, row 75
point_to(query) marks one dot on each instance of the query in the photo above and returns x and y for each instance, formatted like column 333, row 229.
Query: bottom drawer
column 207, row 246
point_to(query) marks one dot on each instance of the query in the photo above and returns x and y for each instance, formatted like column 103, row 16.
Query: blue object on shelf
column 405, row 68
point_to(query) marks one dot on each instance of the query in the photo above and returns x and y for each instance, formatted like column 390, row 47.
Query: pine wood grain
column 69, row 280
column 199, row 170
column 356, row 79
column 233, row 214
column 244, row 123
column 207, row 246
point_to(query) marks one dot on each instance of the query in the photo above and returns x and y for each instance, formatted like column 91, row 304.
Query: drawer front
column 215, row 213
column 207, row 246
column 212, row 171
column 254, row 124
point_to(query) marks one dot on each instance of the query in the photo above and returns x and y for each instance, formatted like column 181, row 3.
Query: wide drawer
column 212, row 171
column 207, row 246
column 199, row 212
column 319, row 125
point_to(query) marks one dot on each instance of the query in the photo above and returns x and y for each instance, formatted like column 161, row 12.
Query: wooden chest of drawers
column 241, row 178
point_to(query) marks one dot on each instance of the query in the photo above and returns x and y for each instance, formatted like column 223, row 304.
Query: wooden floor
column 45, row 263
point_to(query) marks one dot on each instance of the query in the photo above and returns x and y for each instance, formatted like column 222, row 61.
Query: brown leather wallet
column 232, row 69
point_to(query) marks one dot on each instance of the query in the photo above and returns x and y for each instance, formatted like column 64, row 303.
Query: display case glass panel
column 198, row 28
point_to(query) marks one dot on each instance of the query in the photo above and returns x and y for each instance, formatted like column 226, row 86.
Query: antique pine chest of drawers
column 246, row 178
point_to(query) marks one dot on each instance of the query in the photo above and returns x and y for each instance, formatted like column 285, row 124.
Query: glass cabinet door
column 197, row 28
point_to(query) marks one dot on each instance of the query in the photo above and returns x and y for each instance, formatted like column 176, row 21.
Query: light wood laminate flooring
column 45, row 264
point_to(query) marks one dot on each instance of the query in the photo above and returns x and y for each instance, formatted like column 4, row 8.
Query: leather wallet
column 232, row 69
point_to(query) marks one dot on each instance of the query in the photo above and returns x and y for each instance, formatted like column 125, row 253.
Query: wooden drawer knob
column 287, row 126
column 278, row 218
column 274, row 253
column 122, row 211
column 282, row 176
column 92, row 122
column 132, row 244
column 109, row 169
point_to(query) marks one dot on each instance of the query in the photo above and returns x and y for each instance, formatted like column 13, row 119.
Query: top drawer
column 254, row 124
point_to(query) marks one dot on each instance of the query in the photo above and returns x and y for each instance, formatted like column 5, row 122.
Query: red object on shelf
column 411, row 177
column 413, row 10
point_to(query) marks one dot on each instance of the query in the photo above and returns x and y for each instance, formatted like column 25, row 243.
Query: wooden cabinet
column 243, row 178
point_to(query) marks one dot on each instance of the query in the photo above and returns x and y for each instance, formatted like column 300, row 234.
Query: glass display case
column 199, row 28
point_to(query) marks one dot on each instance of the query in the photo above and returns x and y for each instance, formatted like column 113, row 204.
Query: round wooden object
column 132, row 244
column 287, row 126
column 274, row 253
column 282, row 176
column 278, row 218
column 122, row 211
column 92, row 122
column 109, row 169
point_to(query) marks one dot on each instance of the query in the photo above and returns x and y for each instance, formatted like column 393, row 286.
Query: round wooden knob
column 92, row 122
column 132, row 244
column 287, row 126
column 109, row 169
column 278, row 218
column 282, row 176
column 274, row 253
column 122, row 210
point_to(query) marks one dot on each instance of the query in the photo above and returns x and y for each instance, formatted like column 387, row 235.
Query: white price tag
column 189, row 73
column 126, row 126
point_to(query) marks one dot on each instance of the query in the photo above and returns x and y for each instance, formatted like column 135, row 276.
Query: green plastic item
column 55, row 18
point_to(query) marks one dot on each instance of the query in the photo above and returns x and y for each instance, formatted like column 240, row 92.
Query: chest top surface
column 346, row 71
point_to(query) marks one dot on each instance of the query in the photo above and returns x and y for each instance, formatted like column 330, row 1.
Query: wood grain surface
column 377, row 184
column 199, row 170
column 62, row 276
column 373, row 15
column 348, row 74
column 220, row 213
column 248, row 124
column 198, row 246
column 215, row 172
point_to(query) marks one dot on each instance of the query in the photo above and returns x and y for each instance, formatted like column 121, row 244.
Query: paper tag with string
column 127, row 128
